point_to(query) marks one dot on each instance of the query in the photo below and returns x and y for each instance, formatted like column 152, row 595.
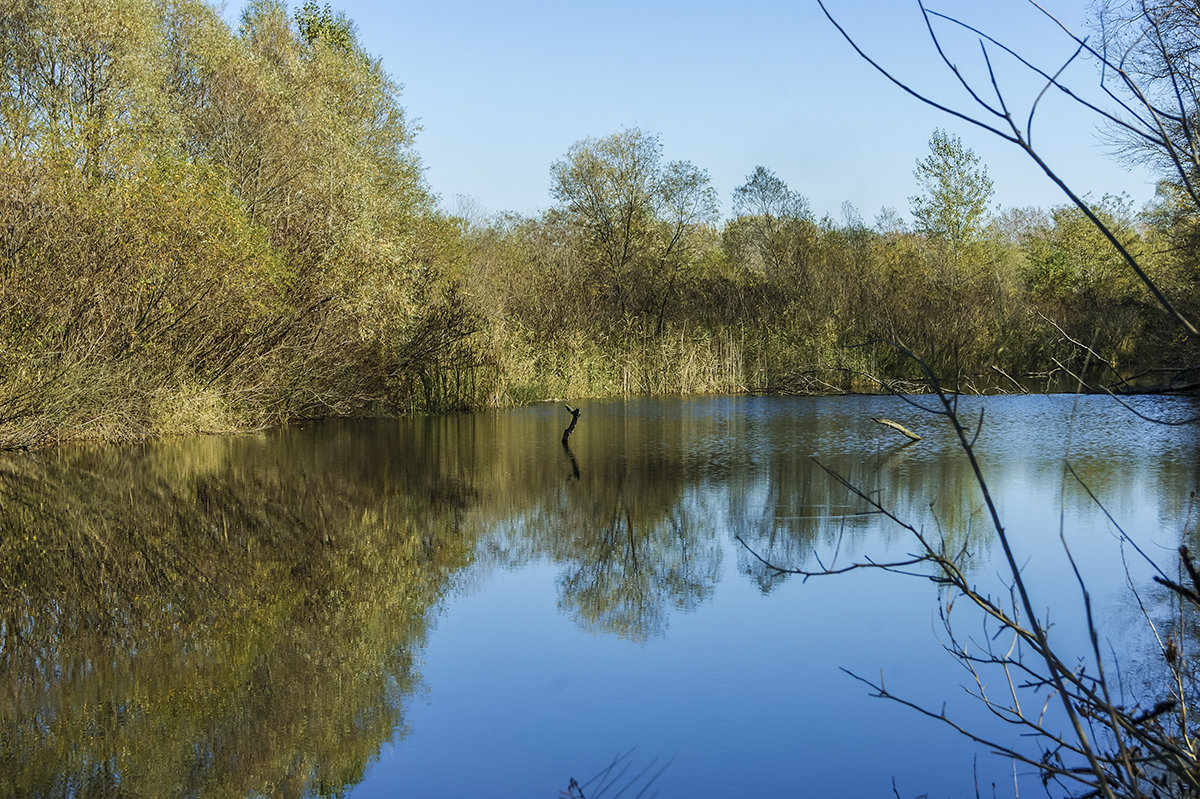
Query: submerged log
column 897, row 426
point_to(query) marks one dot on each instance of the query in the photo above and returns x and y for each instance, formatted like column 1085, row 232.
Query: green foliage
column 956, row 189
column 317, row 24
column 1069, row 256
column 1078, row 280
column 197, row 213
column 208, row 229
column 156, row 607
column 775, row 300
column 633, row 220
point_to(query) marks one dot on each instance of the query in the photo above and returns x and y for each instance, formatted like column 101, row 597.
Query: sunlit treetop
column 319, row 24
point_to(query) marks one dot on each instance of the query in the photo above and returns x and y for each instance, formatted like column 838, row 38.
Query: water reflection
column 211, row 618
column 238, row 616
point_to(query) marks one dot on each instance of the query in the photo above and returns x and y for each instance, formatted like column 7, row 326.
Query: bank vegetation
column 209, row 228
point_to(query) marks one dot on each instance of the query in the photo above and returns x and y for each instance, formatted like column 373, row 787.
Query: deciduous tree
column 955, row 191
column 633, row 217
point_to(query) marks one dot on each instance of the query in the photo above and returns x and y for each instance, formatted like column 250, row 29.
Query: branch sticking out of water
column 571, row 427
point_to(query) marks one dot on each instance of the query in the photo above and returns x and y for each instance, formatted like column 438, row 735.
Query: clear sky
column 502, row 90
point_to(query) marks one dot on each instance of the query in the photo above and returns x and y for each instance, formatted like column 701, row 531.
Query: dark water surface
column 458, row 606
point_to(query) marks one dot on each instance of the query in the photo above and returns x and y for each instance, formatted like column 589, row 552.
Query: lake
column 459, row 605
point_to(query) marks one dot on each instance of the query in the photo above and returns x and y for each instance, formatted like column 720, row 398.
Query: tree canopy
column 955, row 191
column 207, row 228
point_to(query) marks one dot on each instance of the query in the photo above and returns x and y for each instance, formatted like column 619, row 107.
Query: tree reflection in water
column 800, row 512
column 233, row 622
column 243, row 616
column 628, row 527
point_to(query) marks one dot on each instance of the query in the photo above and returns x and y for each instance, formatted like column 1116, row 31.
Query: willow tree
column 84, row 129
column 773, row 229
column 632, row 219
column 83, row 82
column 197, row 217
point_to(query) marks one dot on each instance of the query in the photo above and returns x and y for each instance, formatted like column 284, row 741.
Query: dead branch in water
column 571, row 427
column 896, row 426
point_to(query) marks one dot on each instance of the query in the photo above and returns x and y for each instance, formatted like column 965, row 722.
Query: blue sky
column 502, row 90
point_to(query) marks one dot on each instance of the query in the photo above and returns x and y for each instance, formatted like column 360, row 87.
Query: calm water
column 458, row 606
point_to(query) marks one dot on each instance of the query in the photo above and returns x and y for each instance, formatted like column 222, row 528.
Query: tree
column 953, row 205
column 1157, row 110
column 605, row 188
column 321, row 24
column 1111, row 742
column 951, row 212
column 185, row 209
column 1153, row 42
column 765, row 194
column 82, row 85
column 632, row 217
column 774, row 227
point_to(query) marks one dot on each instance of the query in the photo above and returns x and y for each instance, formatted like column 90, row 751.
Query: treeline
column 207, row 229
column 630, row 284
column 212, row 229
